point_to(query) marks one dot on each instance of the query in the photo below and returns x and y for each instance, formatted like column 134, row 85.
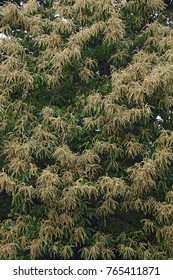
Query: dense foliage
column 86, row 130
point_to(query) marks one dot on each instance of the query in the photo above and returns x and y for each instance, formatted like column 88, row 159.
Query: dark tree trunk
column 104, row 68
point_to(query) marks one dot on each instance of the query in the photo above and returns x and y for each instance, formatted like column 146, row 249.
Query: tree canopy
column 86, row 130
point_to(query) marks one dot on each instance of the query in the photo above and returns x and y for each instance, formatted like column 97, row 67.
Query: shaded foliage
column 86, row 130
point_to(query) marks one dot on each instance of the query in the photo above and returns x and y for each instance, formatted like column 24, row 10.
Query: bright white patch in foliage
column 63, row 19
column 3, row 36
column 159, row 119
